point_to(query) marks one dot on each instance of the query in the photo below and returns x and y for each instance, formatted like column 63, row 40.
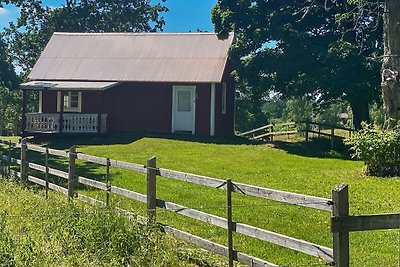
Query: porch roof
column 67, row 85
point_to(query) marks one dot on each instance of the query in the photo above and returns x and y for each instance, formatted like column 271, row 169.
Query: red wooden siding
column 49, row 102
column 139, row 107
column 203, row 109
column 225, row 123
column 147, row 107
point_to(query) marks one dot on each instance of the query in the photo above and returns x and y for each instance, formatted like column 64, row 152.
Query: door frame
column 174, row 104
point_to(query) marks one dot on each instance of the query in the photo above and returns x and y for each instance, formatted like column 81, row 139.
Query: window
column 223, row 98
column 184, row 99
column 72, row 101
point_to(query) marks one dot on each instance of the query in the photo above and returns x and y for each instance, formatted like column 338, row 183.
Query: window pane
column 74, row 101
column 74, row 95
column 184, row 101
column 66, row 101
column 74, row 104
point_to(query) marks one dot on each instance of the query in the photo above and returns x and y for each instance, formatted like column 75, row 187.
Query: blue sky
column 184, row 15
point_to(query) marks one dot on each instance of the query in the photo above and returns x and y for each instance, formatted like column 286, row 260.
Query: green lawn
column 292, row 166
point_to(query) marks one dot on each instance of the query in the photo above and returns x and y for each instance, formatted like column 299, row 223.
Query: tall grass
column 55, row 232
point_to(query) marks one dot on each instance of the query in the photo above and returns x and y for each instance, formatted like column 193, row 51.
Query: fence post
column 46, row 162
column 307, row 126
column 332, row 137
column 108, row 183
column 341, row 254
column 23, row 167
column 2, row 165
column 151, row 189
column 230, row 225
column 271, row 137
column 71, row 172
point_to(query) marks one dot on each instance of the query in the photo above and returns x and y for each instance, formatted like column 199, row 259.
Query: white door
column 183, row 109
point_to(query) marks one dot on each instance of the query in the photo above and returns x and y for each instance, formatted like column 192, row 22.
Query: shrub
column 379, row 149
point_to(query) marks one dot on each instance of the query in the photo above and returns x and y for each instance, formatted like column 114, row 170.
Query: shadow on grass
column 316, row 148
column 66, row 141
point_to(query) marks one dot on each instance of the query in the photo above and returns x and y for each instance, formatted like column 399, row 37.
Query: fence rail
column 269, row 131
column 341, row 222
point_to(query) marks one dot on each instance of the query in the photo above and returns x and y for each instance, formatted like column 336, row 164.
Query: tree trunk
column 391, row 60
column 360, row 113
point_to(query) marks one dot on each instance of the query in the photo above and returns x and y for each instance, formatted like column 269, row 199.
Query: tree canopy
column 8, row 78
column 296, row 48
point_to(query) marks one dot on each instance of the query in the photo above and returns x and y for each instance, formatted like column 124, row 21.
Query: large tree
column 295, row 47
column 391, row 60
column 9, row 95
column 8, row 78
column 361, row 17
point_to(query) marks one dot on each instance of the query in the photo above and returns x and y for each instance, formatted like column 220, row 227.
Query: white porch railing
column 42, row 123
column 72, row 123
column 80, row 123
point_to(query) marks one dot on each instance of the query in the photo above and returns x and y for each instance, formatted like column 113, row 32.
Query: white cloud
column 3, row 11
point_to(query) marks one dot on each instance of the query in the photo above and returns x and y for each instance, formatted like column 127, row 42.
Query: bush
column 379, row 149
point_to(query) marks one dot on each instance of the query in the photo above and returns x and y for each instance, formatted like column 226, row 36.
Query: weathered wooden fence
column 268, row 131
column 342, row 223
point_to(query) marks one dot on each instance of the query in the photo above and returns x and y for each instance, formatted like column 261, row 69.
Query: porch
column 61, row 108
column 65, row 123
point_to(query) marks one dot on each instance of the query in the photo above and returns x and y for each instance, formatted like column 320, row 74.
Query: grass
column 55, row 232
column 292, row 166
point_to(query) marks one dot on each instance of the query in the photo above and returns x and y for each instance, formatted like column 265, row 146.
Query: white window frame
column 69, row 109
column 223, row 98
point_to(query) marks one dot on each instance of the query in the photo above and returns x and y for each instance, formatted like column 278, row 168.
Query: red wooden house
column 137, row 82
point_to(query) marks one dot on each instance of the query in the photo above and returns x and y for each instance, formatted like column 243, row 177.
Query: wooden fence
column 268, row 131
column 342, row 223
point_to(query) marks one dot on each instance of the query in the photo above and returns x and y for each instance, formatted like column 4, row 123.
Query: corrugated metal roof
column 153, row 57
column 68, row 85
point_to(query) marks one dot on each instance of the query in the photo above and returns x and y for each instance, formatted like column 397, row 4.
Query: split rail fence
column 341, row 222
column 269, row 131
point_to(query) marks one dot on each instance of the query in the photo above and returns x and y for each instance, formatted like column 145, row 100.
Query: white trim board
column 212, row 110
column 40, row 101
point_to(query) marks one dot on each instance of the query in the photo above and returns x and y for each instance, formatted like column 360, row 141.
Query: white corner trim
column 173, row 109
column 212, row 110
column 194, row 93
